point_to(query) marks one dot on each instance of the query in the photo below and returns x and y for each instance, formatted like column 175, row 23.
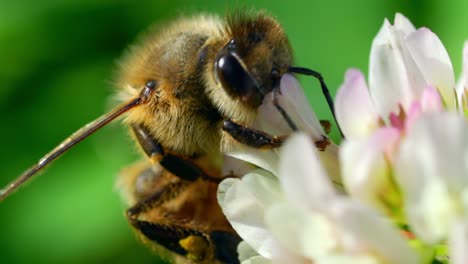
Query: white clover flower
column 404, row 129
column 410, row 74
column 301, row 218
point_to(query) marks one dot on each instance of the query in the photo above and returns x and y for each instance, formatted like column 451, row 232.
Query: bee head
column 250, row 65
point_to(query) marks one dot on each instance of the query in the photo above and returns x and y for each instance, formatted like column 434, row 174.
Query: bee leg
column 182, row 168
column 194, row 244
column 252, row 137
column 261, row 140
column 178, row 235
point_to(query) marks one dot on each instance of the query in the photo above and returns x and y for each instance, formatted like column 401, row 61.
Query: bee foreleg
column 179, row 166
column 261, row 140
column 252, row 137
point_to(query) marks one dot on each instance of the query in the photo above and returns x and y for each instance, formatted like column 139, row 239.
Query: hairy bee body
column 192, row 97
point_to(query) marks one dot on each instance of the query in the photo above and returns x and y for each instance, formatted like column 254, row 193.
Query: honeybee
column 185, row 88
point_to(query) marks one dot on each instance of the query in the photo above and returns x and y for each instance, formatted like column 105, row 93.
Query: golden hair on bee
column 187, row 86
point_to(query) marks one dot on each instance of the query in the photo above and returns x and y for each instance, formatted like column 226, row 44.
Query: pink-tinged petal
column 362, row 231
column 303, row 179
column 354, row 109
column 246, row 214
column 366, row 170
column 432, row 58
column 431, row 169
column 431, row 101
column 394, row 78
column 458, row 242
column 414, row 112
column 396, row 121
column 403, row 24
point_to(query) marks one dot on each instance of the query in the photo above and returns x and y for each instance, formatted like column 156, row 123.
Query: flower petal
column 403, row 24
column 306, row 233
column 302, row 177
column 294, row 102
column 432, row 59
column 246, row 213
column 431, row 169
column 354, row 109
column 245, row 251
column 264, row 186
column 263, row 158
column 257, row 260
column 366, row 171
column 330, row 162
column 237, row 167
column 394, row 78
column 347, row 259
column 363, row 231
column 431, row 101
column 458, row 242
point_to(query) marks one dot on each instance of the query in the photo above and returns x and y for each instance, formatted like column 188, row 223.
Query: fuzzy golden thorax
column 189, row 104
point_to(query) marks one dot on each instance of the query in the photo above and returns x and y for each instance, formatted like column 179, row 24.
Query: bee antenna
column 325, row 91
column 74, row 139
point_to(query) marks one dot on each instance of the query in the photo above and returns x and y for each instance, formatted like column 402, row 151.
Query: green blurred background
column 57, row 59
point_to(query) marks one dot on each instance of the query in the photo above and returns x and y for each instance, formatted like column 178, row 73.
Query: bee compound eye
column 234, row 78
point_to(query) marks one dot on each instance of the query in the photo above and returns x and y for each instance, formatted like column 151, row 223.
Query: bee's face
column 250, row 65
